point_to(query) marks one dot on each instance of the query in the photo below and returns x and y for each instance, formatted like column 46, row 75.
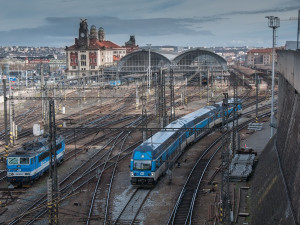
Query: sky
column 195, row 23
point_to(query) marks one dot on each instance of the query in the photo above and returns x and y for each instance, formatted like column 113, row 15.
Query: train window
column 142, row 165
column 24, row 161
column 13, row 160
column 58, row 147
column 43, row 156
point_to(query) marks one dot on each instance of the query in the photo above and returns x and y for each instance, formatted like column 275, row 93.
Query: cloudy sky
column 203, row 23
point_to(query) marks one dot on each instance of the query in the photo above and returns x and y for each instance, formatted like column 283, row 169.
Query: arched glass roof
column 199, row 59
column 138, row 61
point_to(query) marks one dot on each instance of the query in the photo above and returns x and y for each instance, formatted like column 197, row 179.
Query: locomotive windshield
column 24, row 160
column 142, row 164
column 13, row 160
column 18, row 160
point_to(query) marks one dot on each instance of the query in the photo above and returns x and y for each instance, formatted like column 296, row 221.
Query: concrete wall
column 276, row 182
column 269, row 205
column 288, row 64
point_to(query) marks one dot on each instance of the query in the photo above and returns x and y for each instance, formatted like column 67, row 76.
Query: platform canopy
column 199, row 59
column 138, row 62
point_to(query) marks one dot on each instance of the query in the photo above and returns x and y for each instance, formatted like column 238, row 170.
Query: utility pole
column 274, row 23
column 43, row 94
column 53, row 191
column 298, row 31
column 172, row 114
column 156, row 97
column 235, row 135
column 256, row 109
column 137, row 99
column 5, row 118
column 11, row 115
column 200, row 83
column 149, row 69
column 207, row 102
column 225, row 196
column 185, row 92
column 162, row 99
column 212, row 86
column 144, row 109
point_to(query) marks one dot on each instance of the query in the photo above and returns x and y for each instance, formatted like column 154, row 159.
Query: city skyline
column 194, row 23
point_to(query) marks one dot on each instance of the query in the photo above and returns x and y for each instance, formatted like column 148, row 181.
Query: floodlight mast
column 274, row 23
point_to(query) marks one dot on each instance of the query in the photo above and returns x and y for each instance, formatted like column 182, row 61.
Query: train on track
column 31, row 161
column 152, row 158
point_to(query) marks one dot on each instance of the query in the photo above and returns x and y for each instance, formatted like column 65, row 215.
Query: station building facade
column 91, row 52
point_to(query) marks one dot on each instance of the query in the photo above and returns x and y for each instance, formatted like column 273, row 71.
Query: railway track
column 183, row 209
column 77, row 179
column 182, row 212
column 105, row 168
column 132, row 208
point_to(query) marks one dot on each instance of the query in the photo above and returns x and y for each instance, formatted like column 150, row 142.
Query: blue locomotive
column 30, row 161
column 154, row 156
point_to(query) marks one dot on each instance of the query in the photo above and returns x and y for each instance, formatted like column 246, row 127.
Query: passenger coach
column 154, row 156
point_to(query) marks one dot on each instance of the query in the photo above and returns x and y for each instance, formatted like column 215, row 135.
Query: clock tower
column 83, row 39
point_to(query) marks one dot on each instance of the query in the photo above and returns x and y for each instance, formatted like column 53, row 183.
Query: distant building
column 130, row 45
column 91, row 52
column 262, row 56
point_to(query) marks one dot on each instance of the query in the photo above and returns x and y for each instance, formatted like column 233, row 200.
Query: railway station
column 152, row 140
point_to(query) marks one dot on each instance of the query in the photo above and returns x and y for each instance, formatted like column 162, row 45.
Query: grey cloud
column 289, row 6
column 68, row 26
column 157, row 26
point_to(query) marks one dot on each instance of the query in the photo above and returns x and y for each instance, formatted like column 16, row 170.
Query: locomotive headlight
column 152, row 174
column 131, row 173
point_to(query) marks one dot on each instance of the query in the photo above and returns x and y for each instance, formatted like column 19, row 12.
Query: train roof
column 152, row 143
column 230, row 100
column 34, row 147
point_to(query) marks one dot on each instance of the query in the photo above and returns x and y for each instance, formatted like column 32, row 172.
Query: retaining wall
column 276, row 182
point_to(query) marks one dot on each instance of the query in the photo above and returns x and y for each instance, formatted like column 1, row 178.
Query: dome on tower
column 101, row 34
column 93, row 32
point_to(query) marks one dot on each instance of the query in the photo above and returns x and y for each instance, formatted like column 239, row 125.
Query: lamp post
column 274, row 23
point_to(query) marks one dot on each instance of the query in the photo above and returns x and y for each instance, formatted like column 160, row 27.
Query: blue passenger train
column 154, row 156
column 29, row 162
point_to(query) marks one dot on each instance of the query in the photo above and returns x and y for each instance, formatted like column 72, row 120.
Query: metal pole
column 53, row 194
column 207, row 102
column 200, row 83
column 26, row 77
column 298, row 30
column 149, row 69
column 144, row 109
column 273, row 22
column 11, row 135
column 5, row 119
column 43, row 95
column 273, row 78
column 256, row 110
